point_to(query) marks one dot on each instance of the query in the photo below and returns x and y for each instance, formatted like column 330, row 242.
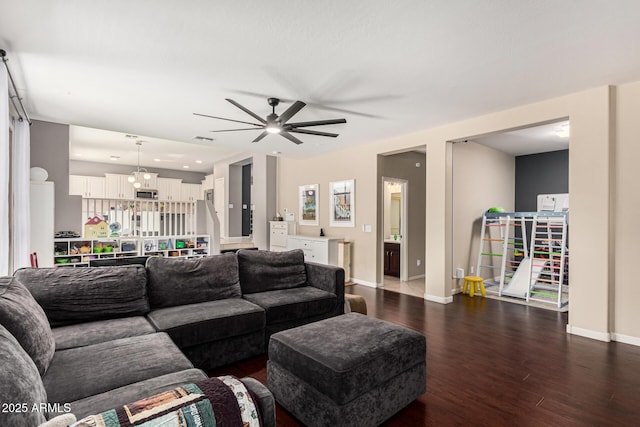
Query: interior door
column 246, row 200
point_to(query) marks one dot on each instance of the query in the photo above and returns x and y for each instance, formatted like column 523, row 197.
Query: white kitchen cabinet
column 323, row 250
column 147, row 184
column 169, row 189
column 87, row 186
column 76, row 185
column 191, row 192
column 279, row 231
column 117, row 186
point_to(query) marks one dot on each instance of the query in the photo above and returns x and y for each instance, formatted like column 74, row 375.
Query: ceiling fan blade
column 246, row 110
column 233, row 130
column 229, row 120
column 312, row 132
column 262, row 135
column 290, row 137
column 291, row 111
column 317, row 123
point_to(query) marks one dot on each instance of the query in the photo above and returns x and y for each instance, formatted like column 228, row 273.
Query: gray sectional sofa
column 94, row 338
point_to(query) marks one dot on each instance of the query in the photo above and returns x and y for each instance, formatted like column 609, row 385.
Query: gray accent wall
column 50, row 150
column 77, row 167
column 543, row 173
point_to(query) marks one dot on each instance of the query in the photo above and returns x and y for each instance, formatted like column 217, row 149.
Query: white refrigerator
column 42, row 201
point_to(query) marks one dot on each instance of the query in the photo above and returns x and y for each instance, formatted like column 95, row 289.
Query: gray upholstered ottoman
column 350, row 370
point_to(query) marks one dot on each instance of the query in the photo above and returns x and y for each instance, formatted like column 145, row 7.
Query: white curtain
column 21, row 187
column 4, row 171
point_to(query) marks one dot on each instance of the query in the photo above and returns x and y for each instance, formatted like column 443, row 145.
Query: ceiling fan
column 279, row 124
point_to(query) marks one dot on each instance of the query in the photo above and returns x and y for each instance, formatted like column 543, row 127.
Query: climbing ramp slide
column 521, row 280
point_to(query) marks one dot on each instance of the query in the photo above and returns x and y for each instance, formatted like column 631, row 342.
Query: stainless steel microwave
column 146, row 194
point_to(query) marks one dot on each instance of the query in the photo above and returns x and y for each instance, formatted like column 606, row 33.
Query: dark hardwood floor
column 493, row 363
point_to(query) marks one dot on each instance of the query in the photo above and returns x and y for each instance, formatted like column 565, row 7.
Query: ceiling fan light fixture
column 131, row 179
column 147, row 176
column 278, row 124
column 273, row 128
column 137, row 185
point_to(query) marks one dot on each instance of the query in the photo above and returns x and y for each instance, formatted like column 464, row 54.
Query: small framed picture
column 342, row 203
column 308, row 196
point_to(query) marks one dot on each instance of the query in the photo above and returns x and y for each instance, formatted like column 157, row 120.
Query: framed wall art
column 342, row 203
column 308, row 196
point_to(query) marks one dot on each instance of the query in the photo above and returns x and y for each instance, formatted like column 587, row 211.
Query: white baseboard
column 587, row 333
column 626, row 339
column 441, row 300
column 419, row 276
column 366, row 283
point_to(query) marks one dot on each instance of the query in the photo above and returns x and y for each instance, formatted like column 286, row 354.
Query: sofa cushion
column 178, row 281
column 132, row 392
column 19, row 383
column 26, row 321
column 80, row 372
column 193, row 324
column 291, row 304
column 83, row 334
column 73, row 295
column 268, row 271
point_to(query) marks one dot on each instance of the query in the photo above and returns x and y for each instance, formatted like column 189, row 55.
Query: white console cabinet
column 323, row 250
column 279, row 231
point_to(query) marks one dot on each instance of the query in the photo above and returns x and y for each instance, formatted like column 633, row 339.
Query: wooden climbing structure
column 513, row 265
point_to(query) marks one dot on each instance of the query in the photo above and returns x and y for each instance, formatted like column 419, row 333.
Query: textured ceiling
column 389, row 67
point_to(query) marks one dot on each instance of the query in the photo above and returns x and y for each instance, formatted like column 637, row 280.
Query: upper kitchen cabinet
column 147, row 184
column 191, row 192
column 87, row 186
column 118, row 187
column 169, row 189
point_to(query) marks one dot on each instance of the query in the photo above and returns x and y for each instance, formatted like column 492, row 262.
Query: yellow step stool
column 472, row 282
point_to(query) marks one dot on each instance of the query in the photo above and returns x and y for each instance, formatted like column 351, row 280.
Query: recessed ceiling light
column 157, row 160
column 199, row 162
column 186, row 166
column 114, row 158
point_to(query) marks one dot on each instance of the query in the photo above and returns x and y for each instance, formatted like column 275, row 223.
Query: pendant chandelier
column 141, row 173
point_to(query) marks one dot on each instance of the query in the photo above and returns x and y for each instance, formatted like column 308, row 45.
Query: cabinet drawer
column 280, row 225
column 279, row 238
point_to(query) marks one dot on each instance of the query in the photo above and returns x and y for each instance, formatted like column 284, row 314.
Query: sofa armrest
column 63, row 420
column 328, row 278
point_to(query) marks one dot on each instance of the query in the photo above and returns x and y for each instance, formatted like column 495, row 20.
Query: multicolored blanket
column 219, row 402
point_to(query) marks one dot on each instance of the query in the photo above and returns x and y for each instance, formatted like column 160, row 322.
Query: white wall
column 483, row 177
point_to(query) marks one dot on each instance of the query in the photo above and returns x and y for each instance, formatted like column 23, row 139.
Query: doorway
column 394, row 219
column 520, row 168
column 401, row 221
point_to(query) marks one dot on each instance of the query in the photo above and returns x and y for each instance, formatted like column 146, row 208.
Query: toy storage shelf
column 176, row 246
column 77, row 252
